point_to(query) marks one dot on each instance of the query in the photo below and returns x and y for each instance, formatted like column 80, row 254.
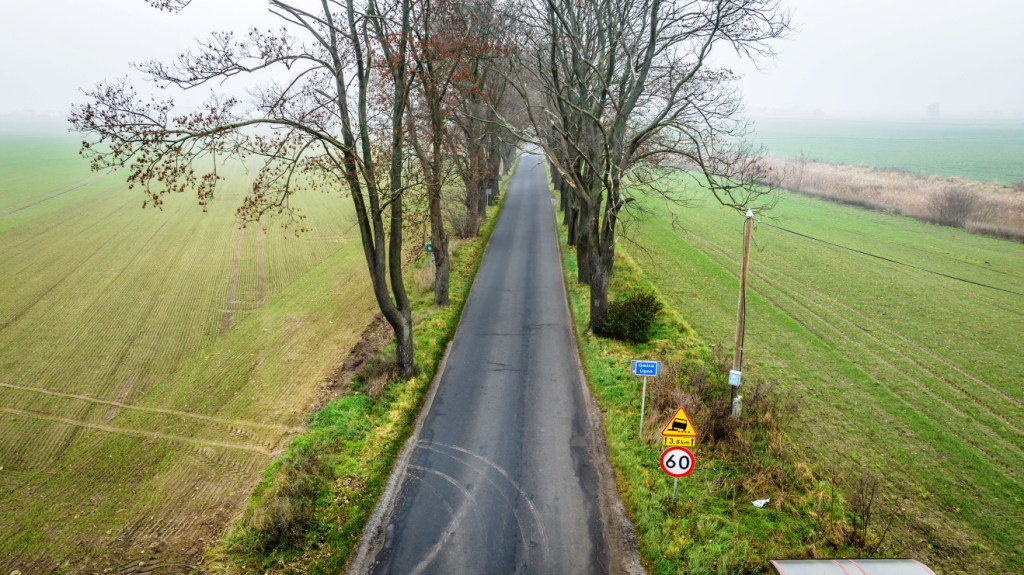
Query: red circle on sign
column 677, row 461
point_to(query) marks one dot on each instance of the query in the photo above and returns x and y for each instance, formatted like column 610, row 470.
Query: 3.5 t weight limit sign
column 677, row 461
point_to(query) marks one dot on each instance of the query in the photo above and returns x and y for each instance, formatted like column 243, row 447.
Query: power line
column 890, row 260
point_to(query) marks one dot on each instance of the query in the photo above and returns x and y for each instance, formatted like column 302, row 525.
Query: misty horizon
column 871, row 60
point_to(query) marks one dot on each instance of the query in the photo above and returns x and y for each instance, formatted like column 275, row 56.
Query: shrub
column 375, row 374
column 953, row 206
column 288, row 502
column 631, row 318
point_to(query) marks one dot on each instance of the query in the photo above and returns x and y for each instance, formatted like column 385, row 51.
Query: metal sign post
column 430, row 255
column 643, row 406
column 644, row 368
column 679, row 433
column 676, row 462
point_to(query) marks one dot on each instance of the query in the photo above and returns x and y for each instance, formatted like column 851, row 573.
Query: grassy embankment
column 136, row 410
column 908, row 376
column 330, row 476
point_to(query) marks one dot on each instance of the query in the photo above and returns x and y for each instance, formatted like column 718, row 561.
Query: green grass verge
column 331, row 476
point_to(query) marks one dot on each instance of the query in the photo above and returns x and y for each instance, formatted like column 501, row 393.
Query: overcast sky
column 867, row 58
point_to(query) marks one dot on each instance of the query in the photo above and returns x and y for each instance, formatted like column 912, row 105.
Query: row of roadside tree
column 409, row 106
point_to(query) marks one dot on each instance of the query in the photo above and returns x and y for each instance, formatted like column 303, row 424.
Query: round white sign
column 677, row 461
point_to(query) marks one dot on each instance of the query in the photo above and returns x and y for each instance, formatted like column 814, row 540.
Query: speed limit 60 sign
column 677, row 461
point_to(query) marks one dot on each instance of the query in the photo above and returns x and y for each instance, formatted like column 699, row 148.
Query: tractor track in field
column 121, row 394
column 259, row 262
column 75, row 235
column 229, row 310
column 236, row 423
column 913, row 344
column 81, row 262
column 234, row 279
column 81, row 185
column 949, row 405
column 263, row 450
column 181, row 476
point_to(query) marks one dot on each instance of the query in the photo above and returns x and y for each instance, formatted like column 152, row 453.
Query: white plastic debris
column 761, row 502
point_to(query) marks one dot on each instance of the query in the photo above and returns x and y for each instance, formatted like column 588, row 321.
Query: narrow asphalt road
column 502, row 478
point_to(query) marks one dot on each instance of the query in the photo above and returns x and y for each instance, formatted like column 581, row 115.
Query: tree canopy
column 393, row 101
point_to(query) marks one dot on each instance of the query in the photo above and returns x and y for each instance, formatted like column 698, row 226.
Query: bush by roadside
column 632, row 317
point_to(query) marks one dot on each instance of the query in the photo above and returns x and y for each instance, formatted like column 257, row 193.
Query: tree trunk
column 598, row 291
column 508, row 157
column 571, row 222
column 586, row 234
column 403, row 348
column 439, row 243
column 472, row 210
column 602, row 260
column 403, row 327
column 556, row 183
column 481, row 203
column 432, row 166
column 568, row 201
column 493, row 157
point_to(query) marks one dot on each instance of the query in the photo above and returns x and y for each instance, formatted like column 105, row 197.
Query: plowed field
column 152, row 362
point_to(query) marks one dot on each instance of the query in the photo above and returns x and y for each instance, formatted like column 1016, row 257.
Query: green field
column 151, row 363
column 909, row 374
column 982, row 151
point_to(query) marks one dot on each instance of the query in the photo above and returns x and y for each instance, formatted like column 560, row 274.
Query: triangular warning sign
column 679, row 426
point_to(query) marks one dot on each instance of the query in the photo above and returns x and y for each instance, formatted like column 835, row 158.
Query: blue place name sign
column 639, row 367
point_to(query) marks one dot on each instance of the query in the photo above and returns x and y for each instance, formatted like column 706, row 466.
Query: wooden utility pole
column 741, row 319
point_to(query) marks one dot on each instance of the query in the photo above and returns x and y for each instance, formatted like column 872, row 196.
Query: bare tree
column 628, row 105
column 440, row 44
column 953, row 206
column 336, row 123
column 476, row 144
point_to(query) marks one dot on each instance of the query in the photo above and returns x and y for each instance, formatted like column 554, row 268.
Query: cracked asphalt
column 502, row 478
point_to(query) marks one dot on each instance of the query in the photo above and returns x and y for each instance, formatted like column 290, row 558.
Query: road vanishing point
column 502, row 475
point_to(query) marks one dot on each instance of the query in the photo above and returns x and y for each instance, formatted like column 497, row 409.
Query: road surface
column 502, row 477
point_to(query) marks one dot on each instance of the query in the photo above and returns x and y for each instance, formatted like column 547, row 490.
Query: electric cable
column 890, row 260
